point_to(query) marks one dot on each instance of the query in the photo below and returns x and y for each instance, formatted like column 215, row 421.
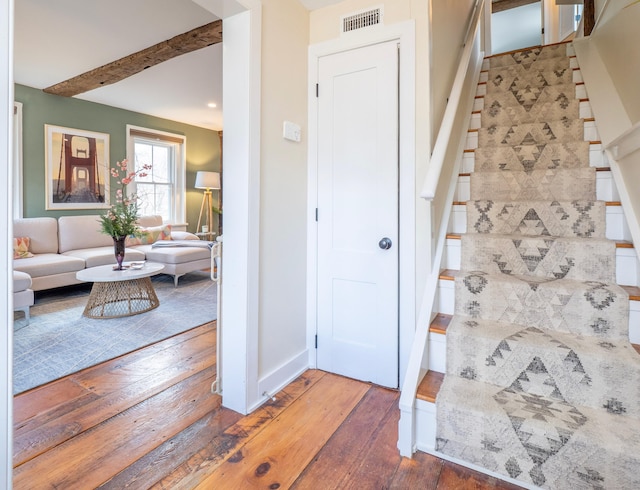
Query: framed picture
column 77, row 166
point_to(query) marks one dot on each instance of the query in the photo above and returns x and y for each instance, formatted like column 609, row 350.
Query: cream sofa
column 22, row 293
column 61, row 247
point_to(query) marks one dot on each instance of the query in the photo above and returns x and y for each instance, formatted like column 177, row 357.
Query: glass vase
column 118, row 249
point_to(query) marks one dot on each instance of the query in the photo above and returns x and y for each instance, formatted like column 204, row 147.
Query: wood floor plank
column 155, row 465
column 29, row 404
column 275, row 457
column 345, row 448
column 459, row 477
column 46, row 432
column 63, row 397
column 145, row 362
column 81, row 462
column 167, row 431
column 381, row 458
column 124, row 376
column 422, row 471
column 191, row 473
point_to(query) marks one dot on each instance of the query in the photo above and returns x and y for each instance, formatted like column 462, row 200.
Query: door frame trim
column 404, row 34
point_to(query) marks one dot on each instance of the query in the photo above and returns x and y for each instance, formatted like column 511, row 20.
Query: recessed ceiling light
column 212, row 105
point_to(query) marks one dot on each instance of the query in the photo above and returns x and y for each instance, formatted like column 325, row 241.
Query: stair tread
column 607, row 203
column 440, row 323
column 547, row 170
column 510, row 134
column 430, row 386
column 632, row 291
column 431, row 383
column 550, row 51
column 619, row 243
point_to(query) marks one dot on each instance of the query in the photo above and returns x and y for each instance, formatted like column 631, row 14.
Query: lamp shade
column 207, row 180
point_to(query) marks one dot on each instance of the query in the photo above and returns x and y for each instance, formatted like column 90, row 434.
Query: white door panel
column 357, row 207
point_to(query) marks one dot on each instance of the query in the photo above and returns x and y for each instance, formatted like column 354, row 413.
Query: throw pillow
column 149, row 235
column 21, row 247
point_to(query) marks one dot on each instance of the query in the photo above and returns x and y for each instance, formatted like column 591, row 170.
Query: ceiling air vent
column 361, row 20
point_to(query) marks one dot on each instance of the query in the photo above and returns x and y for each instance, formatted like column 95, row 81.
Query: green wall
column 203, row 145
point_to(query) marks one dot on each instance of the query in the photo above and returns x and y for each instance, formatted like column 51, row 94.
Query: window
column 17, row 160
column 162, row 190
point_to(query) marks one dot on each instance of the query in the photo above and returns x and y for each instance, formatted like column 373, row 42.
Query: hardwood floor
column 148, row 420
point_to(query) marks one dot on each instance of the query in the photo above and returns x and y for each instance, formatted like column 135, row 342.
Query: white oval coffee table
column 120, row 293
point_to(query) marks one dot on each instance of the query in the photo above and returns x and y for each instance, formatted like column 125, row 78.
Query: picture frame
column 77, row 168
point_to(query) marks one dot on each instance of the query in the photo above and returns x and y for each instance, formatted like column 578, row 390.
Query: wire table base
column 121, row 298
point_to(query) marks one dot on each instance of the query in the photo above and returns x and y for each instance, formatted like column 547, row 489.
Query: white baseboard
column 273, row 382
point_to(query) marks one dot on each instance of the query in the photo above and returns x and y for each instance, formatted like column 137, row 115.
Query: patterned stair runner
column 542, row 384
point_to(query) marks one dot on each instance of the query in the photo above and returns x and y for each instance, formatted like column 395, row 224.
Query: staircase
column 532, row 373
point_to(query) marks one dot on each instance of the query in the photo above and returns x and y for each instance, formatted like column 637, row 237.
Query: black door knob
column 385, row 243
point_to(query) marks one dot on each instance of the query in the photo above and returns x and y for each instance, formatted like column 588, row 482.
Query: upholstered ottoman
column 22, row 293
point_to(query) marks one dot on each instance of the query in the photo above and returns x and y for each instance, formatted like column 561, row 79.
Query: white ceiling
column 55, row 41
column 58, row 40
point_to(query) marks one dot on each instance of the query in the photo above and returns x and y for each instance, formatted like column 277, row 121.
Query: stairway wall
column 610, row 67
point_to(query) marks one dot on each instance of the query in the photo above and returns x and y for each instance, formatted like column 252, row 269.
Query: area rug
column 541, row 381
column 59, row 341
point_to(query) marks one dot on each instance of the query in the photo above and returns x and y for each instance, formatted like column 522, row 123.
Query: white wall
column 610, row 66
column 516, row 28
column 449, row 20
column 283, row 221
column 263, row 294
column 617, row 42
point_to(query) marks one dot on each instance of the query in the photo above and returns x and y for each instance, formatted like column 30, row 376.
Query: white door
column 357, row 210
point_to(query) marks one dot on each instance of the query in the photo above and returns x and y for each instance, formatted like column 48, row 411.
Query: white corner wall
column 617, row 42
column 6, row 234
column 263, row 338
column 449, row 20
column 282, row 345
column 240, row 260
column 610, row 67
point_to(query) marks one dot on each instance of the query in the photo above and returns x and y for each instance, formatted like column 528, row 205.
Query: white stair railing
column 438, row 191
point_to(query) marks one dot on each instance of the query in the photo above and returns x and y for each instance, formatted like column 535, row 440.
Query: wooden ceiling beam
column 502, row 5
column 118, row 70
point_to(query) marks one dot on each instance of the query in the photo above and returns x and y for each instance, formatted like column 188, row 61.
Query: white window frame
column 179, row 211
column 18, row 206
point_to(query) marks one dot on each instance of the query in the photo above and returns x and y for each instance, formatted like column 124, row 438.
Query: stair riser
column 584, row 112
column 627, row 265
column 481, row 91
column 573, row 64
column 605, row 188
column 496, row 79
column 590, row 133
column 511, row 347
column 590, row 308
column 617, row 228
column 445, row 303
column 540, row 257
column 597, row 159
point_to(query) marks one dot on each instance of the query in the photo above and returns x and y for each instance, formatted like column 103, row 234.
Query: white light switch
column 291, row 131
